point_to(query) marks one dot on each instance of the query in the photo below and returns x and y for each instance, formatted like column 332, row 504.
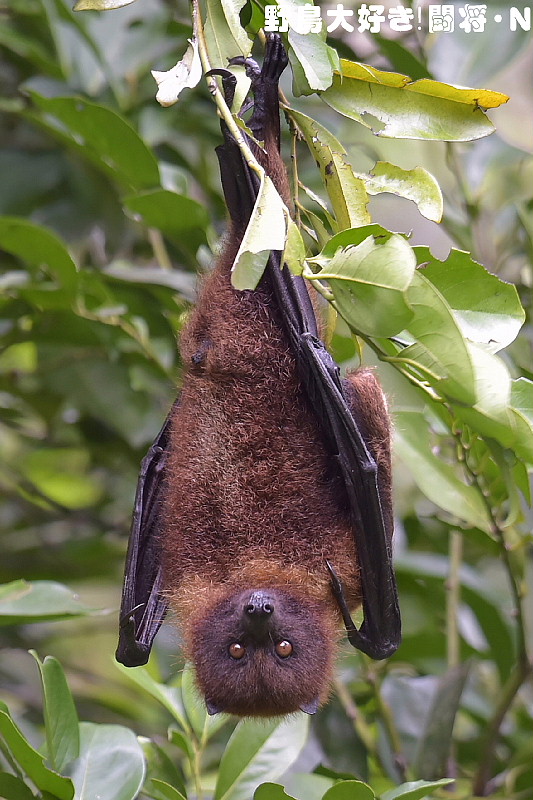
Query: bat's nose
column 260, row 604
column 258, row 616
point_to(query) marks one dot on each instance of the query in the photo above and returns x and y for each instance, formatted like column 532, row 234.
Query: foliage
column 106, row 202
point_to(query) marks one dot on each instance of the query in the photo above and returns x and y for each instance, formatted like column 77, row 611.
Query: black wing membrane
column 380, row 632
column 143, row 606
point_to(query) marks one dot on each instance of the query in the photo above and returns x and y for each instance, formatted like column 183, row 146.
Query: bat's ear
column 312, row 707
column 212, row 708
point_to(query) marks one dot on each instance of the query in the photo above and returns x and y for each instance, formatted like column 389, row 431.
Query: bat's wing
column 143, row 606
column 380, row 632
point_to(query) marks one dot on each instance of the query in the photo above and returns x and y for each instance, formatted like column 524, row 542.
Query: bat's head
column 263, row 652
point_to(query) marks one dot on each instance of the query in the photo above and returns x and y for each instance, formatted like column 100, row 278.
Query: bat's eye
column 284, row 649
column 236, row 650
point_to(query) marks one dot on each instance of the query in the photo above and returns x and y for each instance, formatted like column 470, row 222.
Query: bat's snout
column 257, row 614
column 260, row 604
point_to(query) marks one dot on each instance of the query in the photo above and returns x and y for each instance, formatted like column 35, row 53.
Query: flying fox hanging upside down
column 263, row 510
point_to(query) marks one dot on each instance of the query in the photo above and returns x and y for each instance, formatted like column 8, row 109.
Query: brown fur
column 253, row 500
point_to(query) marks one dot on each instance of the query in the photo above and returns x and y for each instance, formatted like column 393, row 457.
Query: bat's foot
column 229, row 83
column 274, row 62
column 276, row 58
column 264, row 85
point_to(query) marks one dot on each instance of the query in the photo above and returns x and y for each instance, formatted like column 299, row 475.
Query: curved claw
column 229, row 83
column 252, row 68
column 377, row 647
column 130, row 651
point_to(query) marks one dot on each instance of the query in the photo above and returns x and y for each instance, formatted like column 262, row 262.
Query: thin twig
column 218, row 96
column 453, row 586
column 499, row 534
column 352, row 712
column 508, row 693
column 390, row 730
column 160, row 251
column 523, row 668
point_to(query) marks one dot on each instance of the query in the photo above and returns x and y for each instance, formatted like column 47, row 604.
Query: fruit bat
column 263, row 510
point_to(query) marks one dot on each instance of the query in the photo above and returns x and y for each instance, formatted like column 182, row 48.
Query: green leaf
column 181, row 740
column 271, row 791
column 81, row 381
column 40, row 249
column 346, row 191
column 522, row 398
column 32, row 762
column 225, row 38
column 353, row 236
column 313, row 56
column 22, row 602
column 369, row 280
column 487, row 309
column 168, row 696
column 232, row 10
column 318, row 200
column 491, row 414
column 266, row 231
column 441, row 348
column 435, row 744
column 13, row 788
column 414, row 790
column 162, row 767
column 164, row 791
column 312, row 60
column 522, row 414
column 308, row 786
column 433, row 476
column 60, row 474
column 259, row 750
column 30, row 49
column 105, row 135
column 203, row 725
column 391, row 105
column 317, row 230
column 100, row 5
column 350, row 790
column 60, row 717
column 170, row 212
column 311, row 129
column 294, row 253
column 178, row 280
column 110, row 765
column 415, row 184
column 74, row 32
column 401, row 57
column 21, row 357
column 501, row 475
column 459, row 367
